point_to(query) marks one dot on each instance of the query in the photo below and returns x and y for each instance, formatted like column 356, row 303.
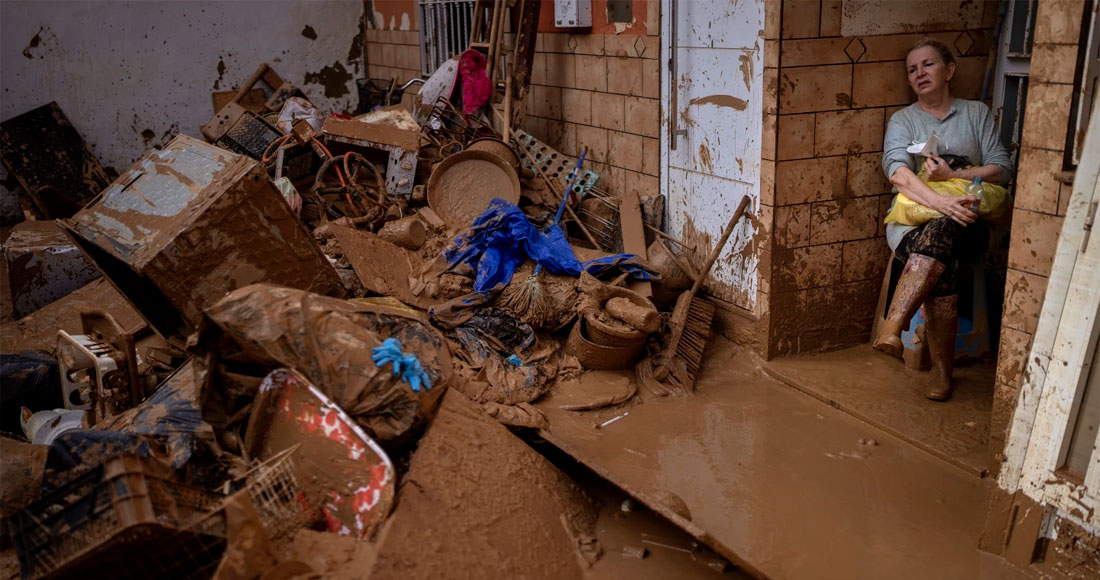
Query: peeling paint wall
column 130, row 75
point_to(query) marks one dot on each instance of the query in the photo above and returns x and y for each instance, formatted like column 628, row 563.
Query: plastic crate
column 126, row 518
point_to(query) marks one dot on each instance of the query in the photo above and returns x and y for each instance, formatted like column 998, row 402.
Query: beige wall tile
column 538, row 69
column 1053, row 63
column 1047, row 118
column 651, row 156
column 830, row 17
column 608, row 111
column 819, row 88
column 768, row 137
column 771, row 53
column 1059, row 21
column 843, row 132
column 1012, row 356
column 545, row 102
column 643, row 116
column 865, row 259
column 843, row 220
column 792, row 226
column 880, row 84
column 595, row 139
column 969, row 76
column 555, row 42
column 814, row 51
column 809, row 267
column 625, row 150
column 801, row 18
column 808, row 180
column 652, row 47
column 1036, row 187
column 767, row 182
column 795, row 137
column 651, row 80
column 1023, row 300
column 865, row 175
column 1034, row 239
column 772, row 10
column 624, row 75
column 620, row 45
column 591, row 73
column 560, row 70
column 771, row 90
column 653, row 17
column 589, row 43
column 576, row 106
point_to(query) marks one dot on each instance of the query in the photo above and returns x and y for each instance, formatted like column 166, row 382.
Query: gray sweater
column 968, row 130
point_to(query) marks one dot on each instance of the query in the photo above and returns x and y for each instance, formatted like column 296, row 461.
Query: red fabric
column 476, row 86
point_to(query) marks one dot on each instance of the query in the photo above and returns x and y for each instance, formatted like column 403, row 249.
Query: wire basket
column 124, row 519
column 273, row 488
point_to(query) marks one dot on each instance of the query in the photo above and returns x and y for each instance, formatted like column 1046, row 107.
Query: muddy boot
column 920, row 274
column 942, row 323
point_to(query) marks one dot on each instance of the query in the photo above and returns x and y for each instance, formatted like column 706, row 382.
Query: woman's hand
column 936, row 169
column 957, row 208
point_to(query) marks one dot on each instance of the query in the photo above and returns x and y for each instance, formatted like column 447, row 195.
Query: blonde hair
column 941, row 50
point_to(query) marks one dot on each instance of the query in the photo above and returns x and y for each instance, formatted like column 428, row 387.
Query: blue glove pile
column 404, row 364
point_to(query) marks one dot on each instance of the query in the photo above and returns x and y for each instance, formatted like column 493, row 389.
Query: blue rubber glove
column 405, row 365
column 515, row 360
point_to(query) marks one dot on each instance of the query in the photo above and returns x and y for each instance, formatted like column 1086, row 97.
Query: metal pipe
column 673, row 86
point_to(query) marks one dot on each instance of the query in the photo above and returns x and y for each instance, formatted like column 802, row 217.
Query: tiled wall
column 835, row 96
column 393, row 40
column 602, row 90
column 597, row 86
column 1042, row 194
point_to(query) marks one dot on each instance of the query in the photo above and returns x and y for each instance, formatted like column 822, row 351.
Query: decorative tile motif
column 963, row 42
column 572, row 42
column 855, row 49
column 639, row 46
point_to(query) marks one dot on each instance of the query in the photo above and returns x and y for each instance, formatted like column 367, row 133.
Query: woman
column 932, row 251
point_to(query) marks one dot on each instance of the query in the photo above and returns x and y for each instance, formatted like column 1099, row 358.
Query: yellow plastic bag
column 995, row 200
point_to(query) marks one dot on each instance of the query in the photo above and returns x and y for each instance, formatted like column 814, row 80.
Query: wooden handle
column 721, row 244
column 252, row 80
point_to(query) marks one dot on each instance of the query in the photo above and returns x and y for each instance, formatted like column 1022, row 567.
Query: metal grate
column 444, row 30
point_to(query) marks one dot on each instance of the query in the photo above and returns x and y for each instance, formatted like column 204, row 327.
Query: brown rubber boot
column 920, row 274
column 941, row 319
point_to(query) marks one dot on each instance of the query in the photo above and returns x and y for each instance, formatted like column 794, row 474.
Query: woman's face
column 928, row 74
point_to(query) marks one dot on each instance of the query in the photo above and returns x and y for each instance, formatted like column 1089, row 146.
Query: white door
column 1053, row 450
column 712, row 61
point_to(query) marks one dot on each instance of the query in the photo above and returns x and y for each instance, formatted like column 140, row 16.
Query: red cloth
column 476, row 86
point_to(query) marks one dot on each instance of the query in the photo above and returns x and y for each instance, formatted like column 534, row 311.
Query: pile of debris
column 242, row 337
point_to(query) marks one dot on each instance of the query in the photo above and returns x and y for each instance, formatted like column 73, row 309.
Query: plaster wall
column 130, row 75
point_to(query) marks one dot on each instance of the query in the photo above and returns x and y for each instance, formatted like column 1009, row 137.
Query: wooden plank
column 1038, row 361
column 630, row 219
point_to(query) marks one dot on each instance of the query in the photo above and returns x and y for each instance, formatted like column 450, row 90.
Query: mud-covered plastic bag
column 995, row 201
column 331, row 341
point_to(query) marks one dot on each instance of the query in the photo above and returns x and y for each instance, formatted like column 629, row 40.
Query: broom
column 531, row 297
column 691, row 320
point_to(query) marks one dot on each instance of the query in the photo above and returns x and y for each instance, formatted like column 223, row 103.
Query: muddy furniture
column 189, row 223
column 43, row 265
column 50, row 161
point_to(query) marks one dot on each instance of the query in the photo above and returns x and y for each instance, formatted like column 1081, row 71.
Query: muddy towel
column 332, row 341
column 502, row 238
